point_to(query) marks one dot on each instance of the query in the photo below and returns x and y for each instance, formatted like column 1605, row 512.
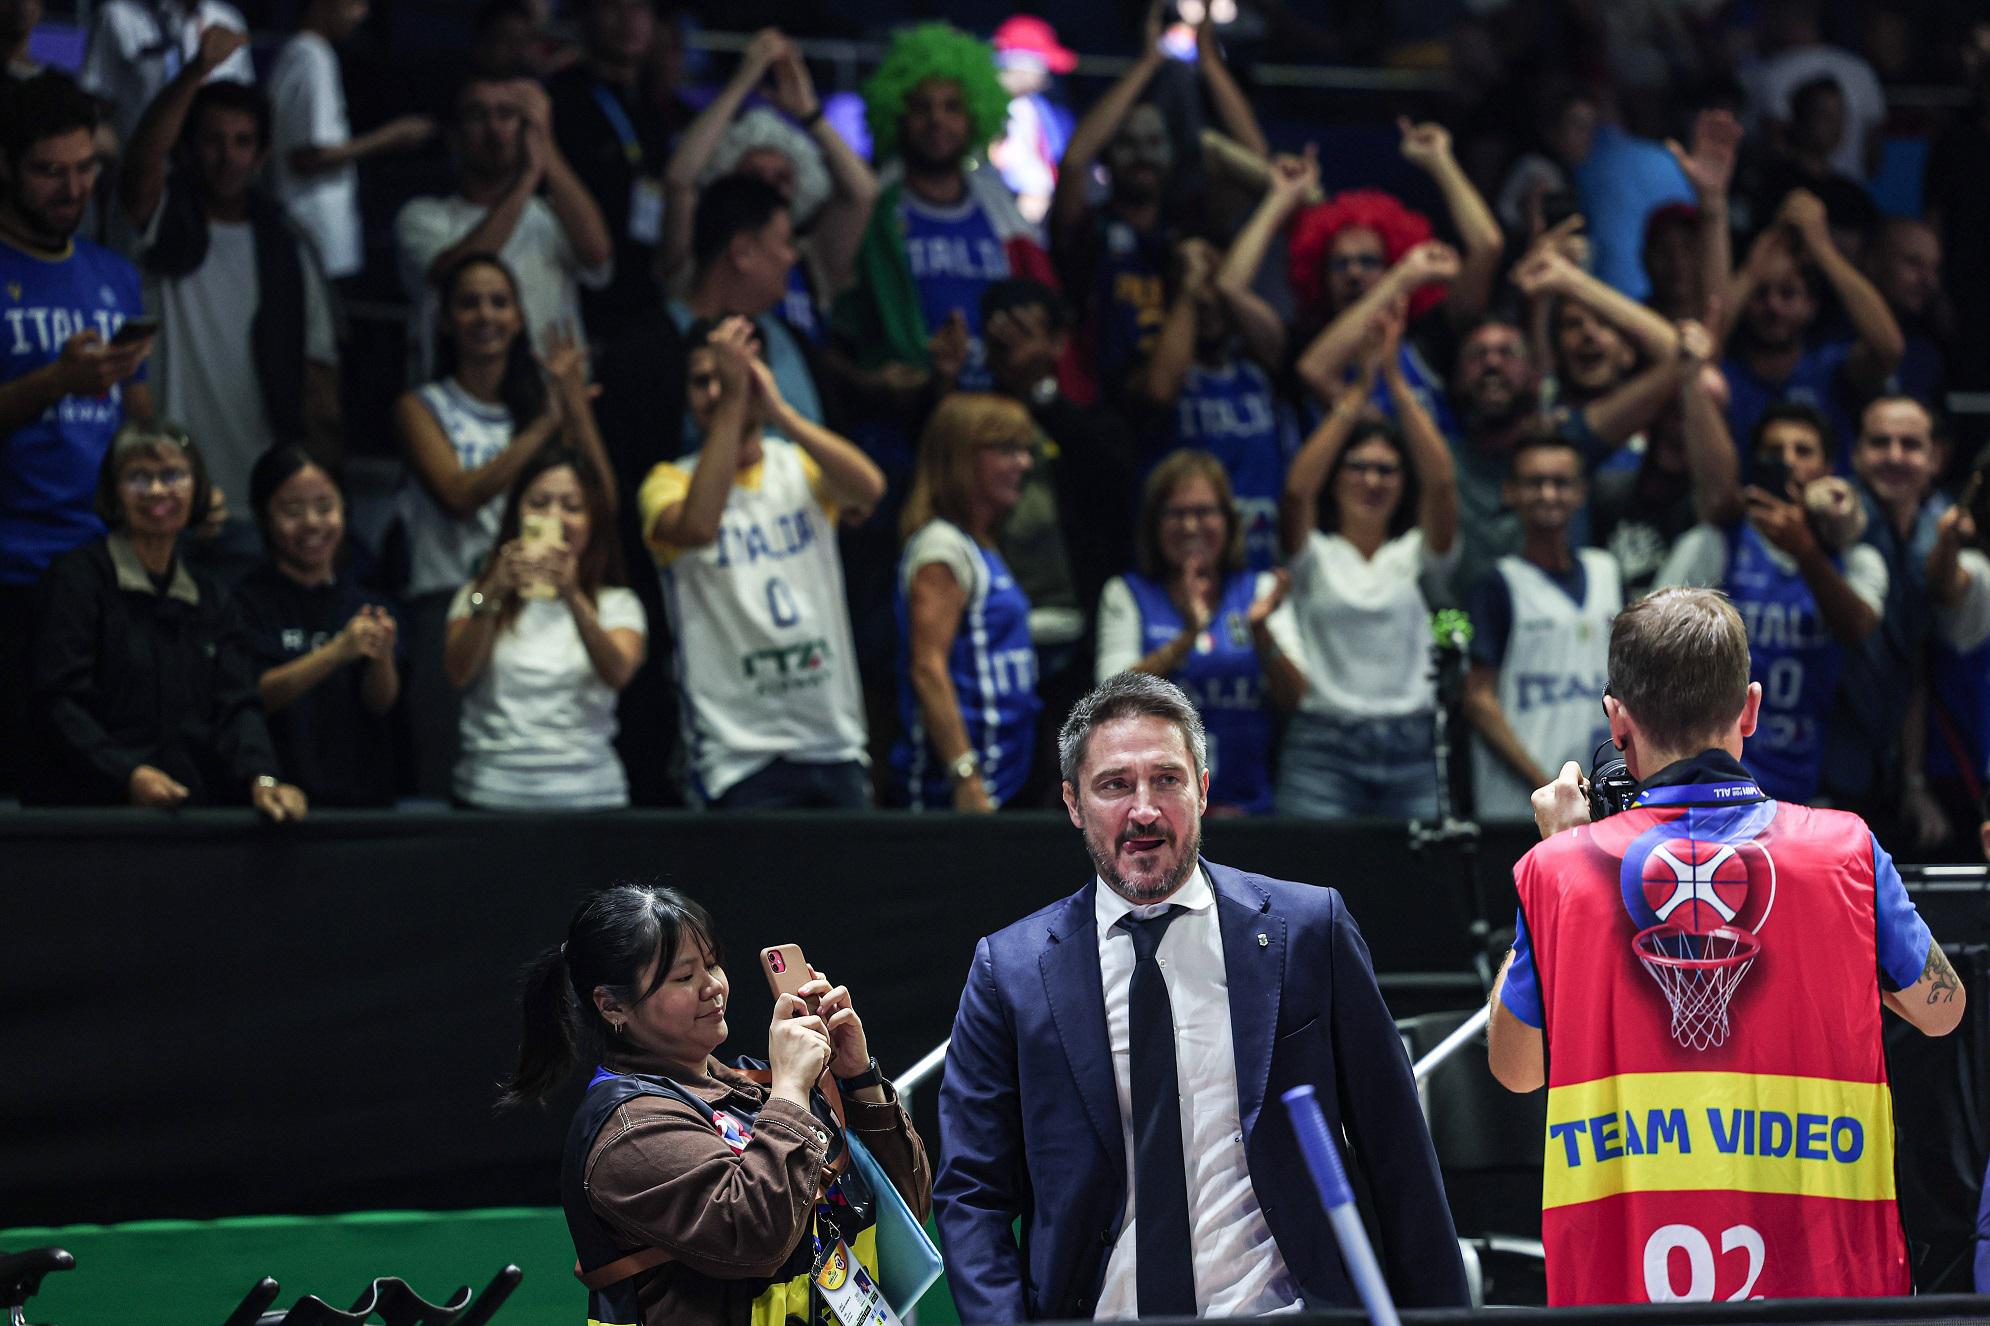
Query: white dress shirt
column 1238, row 1271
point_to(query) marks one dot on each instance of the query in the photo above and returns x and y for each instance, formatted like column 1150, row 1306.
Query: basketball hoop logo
column 1700, row 888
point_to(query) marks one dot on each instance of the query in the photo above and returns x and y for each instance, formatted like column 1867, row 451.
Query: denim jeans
column 1333, row 768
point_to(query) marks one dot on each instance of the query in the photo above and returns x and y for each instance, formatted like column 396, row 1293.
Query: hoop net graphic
column 1698, row 974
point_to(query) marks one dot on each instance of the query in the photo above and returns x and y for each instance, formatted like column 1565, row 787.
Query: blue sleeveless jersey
column 1222, row 675
column 955, row 254
column 1232, row 413
column 993, row 667
column 1794, row 658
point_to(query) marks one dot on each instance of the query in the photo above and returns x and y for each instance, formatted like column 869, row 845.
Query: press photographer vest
column 1762, row 1167
column 777, row 1301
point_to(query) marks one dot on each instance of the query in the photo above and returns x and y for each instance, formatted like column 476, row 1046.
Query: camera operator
column 1700, row 1110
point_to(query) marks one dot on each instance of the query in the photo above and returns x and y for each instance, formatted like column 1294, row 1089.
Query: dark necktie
column 1164, row 1267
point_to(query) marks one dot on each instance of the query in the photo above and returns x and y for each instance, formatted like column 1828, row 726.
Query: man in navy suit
column 1117, row 1059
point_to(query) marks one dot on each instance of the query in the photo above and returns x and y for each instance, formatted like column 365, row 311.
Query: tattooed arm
column 1934, row 1003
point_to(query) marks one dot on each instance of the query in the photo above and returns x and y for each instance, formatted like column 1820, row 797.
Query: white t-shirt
column 204, row 364
column 137, row 48
column 1119, row 627
column 308, row 105
column 1364, row 628
column 1777, row 81
column 765, row 654
column 538, row 726
column 444, row 550
column 540, row 256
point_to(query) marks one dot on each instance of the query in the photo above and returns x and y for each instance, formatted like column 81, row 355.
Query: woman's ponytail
column 546, row 1047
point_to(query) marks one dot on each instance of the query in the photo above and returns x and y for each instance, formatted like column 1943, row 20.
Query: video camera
column 1611, row 787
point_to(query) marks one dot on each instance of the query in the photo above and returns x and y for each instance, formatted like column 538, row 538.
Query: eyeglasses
column 1008, row 450
column 1190, row 515
column 1355, row 262
column 141, row 481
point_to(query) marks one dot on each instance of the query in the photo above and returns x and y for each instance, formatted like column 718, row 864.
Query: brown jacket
column 660, row 1176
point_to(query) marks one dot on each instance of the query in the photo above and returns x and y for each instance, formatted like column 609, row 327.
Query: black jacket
column 126, row 674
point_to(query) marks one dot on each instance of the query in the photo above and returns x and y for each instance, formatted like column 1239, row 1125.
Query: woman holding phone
column 698, row 1193
column 467, row 436
column 541, row 642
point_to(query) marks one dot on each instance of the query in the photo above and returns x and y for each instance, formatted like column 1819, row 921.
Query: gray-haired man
column 1117, row 1055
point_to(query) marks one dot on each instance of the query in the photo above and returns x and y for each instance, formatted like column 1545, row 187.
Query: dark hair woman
column 144, row 691
column 327, row 651
column 492, row 407
column 700, row 1194
column 541, row 642
column 1369, row 512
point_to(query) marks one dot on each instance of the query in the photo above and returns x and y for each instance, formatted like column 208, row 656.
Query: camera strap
column 1699, row 794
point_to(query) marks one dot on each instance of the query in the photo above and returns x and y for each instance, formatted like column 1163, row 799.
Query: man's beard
column 38, row 223
column 1103, row 862
column 918, row 163
column 1483, row 415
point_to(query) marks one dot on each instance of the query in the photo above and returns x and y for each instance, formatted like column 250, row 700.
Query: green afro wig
column 935, row 50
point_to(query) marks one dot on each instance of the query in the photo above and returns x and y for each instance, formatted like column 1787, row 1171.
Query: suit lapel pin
column 1264, row 940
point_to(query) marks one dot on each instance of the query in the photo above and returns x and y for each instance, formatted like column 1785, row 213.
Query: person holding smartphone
column 700, row 1193
column 1791, row 558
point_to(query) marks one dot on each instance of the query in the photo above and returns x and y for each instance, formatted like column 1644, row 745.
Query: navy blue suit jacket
column 1029, row 1115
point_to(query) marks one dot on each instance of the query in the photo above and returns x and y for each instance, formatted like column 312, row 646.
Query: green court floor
column 194, row 1272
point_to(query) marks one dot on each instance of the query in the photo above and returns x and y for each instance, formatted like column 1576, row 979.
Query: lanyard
column 618, row 120
column 1699, row 794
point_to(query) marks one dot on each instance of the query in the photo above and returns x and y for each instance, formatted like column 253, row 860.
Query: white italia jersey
column 766, row 666
column 1551, row 682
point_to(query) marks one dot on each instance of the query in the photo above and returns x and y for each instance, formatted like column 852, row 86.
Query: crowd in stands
column 757, row 458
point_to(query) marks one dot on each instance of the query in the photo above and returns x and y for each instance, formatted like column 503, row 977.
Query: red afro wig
column 1313, row 236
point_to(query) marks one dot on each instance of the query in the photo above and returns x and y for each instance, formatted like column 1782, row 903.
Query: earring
column 620, row 1027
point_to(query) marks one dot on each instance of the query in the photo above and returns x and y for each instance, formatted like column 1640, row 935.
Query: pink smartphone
column 787, row 971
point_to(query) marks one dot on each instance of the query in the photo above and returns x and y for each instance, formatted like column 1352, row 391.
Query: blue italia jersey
column 1795, row 659
column 993, row 668
column 1225, row 679
column 955, row 254
column 1232, row 413
column 48, row 467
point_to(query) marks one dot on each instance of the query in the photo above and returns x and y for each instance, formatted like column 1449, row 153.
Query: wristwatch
column 267, row 780
column 964, row 768
column 1043, row 391
column 484, row 605
column 872, row 1076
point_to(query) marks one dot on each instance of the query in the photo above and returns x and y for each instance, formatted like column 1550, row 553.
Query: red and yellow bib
column 1760, row 1166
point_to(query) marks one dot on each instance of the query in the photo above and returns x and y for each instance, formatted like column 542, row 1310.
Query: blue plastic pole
column 1330, row 1178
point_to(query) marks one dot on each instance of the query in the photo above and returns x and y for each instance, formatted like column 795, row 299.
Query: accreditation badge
column 852, row 1297
column 646, row 210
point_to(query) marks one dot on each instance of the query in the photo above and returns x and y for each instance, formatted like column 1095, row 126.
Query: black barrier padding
column 1941, row 1100
column 1941, row 1309
column 1945, row 1309
column 207, row 1016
